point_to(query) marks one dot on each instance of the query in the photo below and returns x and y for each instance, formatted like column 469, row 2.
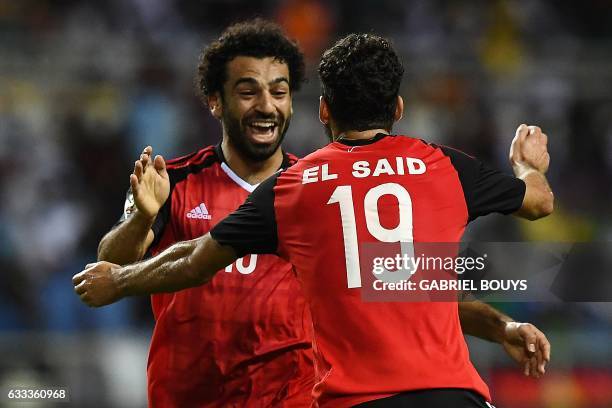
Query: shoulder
column 463, row 163
column 324, row 153
column 179, row 168
column 453, row 153
column 458, row 158
column 419, row 144
column 203, row 156
column 289, row 159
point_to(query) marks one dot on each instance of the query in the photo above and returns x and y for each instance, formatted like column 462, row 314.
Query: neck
column 360, row 134
column 253, row 172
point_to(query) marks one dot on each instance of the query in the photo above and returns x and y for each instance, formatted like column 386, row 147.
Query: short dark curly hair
column 360, row 80
column 257, row 38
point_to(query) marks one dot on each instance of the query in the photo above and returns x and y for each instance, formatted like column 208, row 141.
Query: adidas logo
column 200, row 212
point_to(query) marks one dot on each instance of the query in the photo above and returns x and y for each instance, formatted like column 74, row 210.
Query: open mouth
column 262, row 130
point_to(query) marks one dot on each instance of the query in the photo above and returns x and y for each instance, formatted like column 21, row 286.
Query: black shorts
column 431, row 398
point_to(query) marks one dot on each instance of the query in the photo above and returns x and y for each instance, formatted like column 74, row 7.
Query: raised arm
column 530, row 159
column 150, row 187
column 183, row 265
column 523, row 342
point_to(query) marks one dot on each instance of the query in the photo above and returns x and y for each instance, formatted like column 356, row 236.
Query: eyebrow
column 279, row 80
column 253, row 81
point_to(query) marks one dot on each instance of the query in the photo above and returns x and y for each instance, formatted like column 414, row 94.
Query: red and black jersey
column 244, row 339
column 387, row 189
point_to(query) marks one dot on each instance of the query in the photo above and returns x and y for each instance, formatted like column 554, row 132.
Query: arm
column 136, row 231
column 481, row 320
column 530, row 159
column 183, row 265
column 523, row 342
column 249, row 229
column 150, row 187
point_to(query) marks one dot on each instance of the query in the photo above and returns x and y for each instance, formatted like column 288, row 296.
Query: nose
column 265, row 103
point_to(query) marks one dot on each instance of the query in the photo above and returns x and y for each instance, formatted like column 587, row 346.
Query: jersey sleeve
column 129, row 207
column 486, row 190
column 251, row 229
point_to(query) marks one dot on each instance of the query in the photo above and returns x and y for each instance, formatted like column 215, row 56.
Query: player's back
column 387, row 189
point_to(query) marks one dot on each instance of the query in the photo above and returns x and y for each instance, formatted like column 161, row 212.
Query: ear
column 215, row 105
column 399, row 109
column 323, row 111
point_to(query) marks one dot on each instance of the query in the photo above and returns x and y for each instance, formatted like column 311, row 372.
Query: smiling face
column 255, row 108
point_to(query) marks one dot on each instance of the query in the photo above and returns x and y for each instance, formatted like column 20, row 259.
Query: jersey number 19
column 343, row 195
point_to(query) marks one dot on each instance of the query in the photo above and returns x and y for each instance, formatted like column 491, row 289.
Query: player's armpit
column 539, row 198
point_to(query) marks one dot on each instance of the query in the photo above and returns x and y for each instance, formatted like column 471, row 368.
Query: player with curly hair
column 245, row 339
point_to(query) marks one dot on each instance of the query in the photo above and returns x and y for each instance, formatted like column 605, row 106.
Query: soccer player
column 245, row 339
column 357, row 345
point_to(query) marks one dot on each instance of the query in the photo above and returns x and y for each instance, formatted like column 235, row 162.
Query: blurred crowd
column 85, row 85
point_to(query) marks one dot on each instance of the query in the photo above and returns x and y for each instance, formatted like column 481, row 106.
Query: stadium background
column 85, row 85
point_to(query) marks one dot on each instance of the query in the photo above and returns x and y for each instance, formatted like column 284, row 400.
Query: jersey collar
column 235, row 177
column 362, row 142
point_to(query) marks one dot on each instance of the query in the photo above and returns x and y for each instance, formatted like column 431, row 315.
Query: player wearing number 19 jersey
column 368, row 186
column 365, row 191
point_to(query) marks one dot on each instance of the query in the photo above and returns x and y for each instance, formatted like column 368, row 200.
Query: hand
column 150, row 183
column 98, row 284
column 528, row 346
column 528, row 150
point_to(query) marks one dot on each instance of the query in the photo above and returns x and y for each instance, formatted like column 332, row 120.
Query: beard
column 235, row 129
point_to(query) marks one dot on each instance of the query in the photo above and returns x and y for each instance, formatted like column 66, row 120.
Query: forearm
column 128, row 242
column 539, row 199
column 183, row 265
column 481, row 320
